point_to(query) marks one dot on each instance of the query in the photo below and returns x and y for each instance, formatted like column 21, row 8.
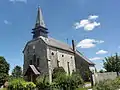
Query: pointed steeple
column 40, row 28
column 39, row 19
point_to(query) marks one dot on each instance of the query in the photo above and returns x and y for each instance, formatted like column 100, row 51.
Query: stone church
column 43, row 53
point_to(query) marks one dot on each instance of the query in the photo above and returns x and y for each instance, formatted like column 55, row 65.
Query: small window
column 68, row 65
column 71, row 57
column 38, row 62
column 52, row 53
column 62, row 55
column 30, row 62
column 58, row 63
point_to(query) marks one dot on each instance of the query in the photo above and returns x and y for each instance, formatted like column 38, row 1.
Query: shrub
column 3, row 89
column 20, row 84
column 57, row 71
column 30, row 85
column 108, row 85
column 42, row 82
column 68, row 82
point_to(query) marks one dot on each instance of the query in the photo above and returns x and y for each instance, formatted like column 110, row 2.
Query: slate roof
column 55, row 43
column 85, row 58
column 58, row 44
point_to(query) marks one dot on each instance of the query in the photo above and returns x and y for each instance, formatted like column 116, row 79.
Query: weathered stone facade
column 42, row 54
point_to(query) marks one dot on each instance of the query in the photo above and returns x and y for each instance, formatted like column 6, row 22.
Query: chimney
column 73, row 45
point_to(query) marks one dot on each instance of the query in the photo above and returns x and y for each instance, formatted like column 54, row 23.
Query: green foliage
column 81, row 89
column 42, row 82
column 3, row 78
column 30, row 85
column 17, row 72
column 101, row 71
column 67, row 82
column 112, row 64
column 57, row 71
column 108, row 85
column 4, row 69
column 20, row 84
column 3, row 89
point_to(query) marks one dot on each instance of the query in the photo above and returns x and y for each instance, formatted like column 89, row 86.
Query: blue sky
column 93, row 24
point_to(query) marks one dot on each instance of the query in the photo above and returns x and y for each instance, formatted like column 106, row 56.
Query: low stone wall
column 97, row 77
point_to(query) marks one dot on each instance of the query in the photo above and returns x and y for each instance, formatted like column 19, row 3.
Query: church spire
column 39, row 19
column 40, row 28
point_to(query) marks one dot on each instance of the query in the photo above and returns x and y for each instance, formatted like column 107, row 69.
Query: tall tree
column 4, row 69
column 112, row 64
column 17, row 72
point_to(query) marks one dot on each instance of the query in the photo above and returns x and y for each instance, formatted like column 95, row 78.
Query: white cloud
column 91, row 26
column 6, row 22
column 87, row 24
column 96, row 58
column 102, row 52
column 93, row 17
column 25, row 1
column 88, row 43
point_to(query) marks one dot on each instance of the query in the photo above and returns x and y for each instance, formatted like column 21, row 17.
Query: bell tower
column 40, row 28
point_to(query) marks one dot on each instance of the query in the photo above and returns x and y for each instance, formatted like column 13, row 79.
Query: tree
column 17, row 72
column 112, row 64
column 101, row 71
column 66, row 82
column 20, row 84
column 57, row 71
column 4, row 69
column 42, row 82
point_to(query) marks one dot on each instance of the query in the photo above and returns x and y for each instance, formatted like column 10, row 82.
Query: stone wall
column 39, row 49
column 97, row 77
column 83, row 67
column 61, row 58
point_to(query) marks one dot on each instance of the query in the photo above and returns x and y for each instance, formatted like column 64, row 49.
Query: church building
column 43, row 53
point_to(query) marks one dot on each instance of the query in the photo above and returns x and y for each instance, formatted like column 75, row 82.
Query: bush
column 68, row 82
column 3, row 89
column 57, row 71
column 108, row 85
column 30, row 85
column 3, row 78
column 20, row 84
column 42, row 82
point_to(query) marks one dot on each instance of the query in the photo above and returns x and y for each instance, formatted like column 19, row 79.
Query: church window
column 71, row 57
column 68, row 65
column 58, row 63
column 52, row 53
column 30, row 62
column 34, row 59
column 62, row 55
column 33, row 46
column 38, row 62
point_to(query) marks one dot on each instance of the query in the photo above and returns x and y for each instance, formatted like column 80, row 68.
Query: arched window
column 68, row 65
column 52, row 53
column 34, row 59
column 30, row 62
column 62, row 55
column 38, row 62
